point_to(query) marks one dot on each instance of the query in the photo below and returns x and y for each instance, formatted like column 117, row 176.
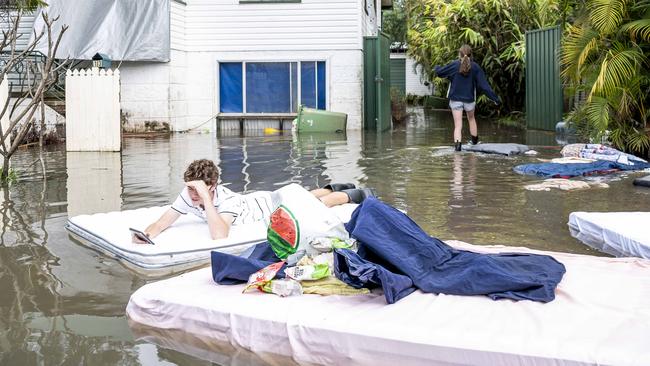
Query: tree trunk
column 5, row 170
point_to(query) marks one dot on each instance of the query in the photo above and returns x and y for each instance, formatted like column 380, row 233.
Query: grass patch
column 12, row 176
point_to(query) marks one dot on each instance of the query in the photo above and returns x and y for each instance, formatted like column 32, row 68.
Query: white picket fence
column 92, row 104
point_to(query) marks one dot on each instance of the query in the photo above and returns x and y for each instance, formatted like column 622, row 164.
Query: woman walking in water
column 466, row 80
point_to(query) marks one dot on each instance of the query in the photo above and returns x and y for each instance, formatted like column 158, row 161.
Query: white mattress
column 621, row 234
column 600, row 316
column 185, row 244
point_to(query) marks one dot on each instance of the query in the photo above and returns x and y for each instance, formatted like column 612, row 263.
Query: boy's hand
column 136, row 239
column 200, row 188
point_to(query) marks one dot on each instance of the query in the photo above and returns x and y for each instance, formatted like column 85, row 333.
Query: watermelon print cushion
column 283, row 233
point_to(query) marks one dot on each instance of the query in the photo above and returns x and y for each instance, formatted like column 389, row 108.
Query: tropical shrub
column 494, row 28
column 394, row 22
column 605, row 59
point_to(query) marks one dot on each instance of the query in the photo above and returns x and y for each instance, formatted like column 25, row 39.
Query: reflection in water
column 94, row 182
column 63, row 303
column 463, row 182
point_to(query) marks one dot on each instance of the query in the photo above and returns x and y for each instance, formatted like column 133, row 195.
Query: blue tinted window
column 308, row 84
column 267, row 87
column 230, row 87
column 320, row 85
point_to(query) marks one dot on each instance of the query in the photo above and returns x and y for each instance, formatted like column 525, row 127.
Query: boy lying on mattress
column 221, row 208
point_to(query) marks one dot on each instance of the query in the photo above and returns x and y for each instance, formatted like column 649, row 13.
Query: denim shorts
column 458, row 106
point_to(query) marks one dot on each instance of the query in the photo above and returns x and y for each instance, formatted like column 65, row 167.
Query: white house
column 228, row 58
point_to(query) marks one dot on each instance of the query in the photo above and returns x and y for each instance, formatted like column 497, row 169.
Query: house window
column 230, row 87
column 271, row 87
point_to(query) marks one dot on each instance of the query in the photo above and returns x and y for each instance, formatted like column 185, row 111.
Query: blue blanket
column 394, row 247
column 228, row 269
column 566, row 170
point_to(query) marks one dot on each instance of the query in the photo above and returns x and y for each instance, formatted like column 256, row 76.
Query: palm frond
column 638, row 29
column 607, row 15
column 618, row 66
column 579, row 45
column 597, row 112
column 638, row 141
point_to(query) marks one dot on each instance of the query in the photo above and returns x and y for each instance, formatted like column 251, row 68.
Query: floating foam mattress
column 621, row 234
column 497, row 148
column 183, row 245
column 600, row 316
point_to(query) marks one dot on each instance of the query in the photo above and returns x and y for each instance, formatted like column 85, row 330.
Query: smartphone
column 142, row 236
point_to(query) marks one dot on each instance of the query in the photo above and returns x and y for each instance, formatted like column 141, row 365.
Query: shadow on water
column 63, row 303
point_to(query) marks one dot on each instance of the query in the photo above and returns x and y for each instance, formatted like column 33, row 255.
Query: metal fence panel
column 398, row 74
column 543, row 85
column 384, row 117
column 376, row 83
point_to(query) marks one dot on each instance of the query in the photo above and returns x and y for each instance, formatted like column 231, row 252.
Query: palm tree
column 605, row 56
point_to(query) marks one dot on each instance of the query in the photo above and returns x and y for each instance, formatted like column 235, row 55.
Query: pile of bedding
column 585, row 160
column 395, row 254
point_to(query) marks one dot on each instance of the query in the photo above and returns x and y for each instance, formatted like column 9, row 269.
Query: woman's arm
column 446, row 71
column 484, row 87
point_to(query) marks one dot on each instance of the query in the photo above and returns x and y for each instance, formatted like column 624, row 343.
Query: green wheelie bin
column 317, row 120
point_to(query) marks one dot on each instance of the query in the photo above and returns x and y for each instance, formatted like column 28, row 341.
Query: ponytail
column 465, row 54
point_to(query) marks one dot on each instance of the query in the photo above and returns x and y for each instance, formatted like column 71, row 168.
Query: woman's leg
column 473, row 128
column 458, row 124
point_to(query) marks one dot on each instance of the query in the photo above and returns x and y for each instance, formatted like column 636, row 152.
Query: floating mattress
column 497, row 148
column 185, row 244
column 621, row 234
column 600, row 316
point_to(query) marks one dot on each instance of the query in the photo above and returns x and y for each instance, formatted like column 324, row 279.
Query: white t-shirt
column 244, row 208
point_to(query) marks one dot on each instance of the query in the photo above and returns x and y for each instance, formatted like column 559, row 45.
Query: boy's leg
column 334, row 199
column 320, row 192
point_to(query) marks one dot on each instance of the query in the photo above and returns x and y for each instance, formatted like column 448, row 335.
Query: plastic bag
column 300, row 218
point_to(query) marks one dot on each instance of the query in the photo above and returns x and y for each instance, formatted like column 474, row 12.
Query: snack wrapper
column 264, row 275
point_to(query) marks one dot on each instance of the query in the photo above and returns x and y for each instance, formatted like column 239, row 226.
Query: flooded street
column 63, row 303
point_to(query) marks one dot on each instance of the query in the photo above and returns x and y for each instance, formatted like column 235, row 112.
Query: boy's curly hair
column 202, row 169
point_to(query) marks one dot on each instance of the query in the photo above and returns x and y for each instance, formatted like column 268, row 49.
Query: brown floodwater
column 62, row 303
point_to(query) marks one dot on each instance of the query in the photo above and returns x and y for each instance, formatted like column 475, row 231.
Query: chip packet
column 283, row 287
column 308, row 272
column 263, row 276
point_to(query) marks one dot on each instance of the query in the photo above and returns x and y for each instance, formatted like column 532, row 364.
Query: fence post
column 92, row 102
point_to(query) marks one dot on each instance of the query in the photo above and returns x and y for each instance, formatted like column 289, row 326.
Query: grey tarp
column 494, row 148
column 125, row 30
column 644, row 182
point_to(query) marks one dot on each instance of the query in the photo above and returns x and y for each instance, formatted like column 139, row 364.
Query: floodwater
column 62, row 303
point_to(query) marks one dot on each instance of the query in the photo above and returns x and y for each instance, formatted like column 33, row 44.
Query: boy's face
column 196, row 198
